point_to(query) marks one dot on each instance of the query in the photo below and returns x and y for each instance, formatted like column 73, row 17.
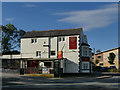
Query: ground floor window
column 47, row 64
column 38, row 54
column 52, row 52
column 85, row 65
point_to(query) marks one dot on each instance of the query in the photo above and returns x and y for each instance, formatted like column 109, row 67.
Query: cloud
column 9, row 19
column 91, row 19
column 30, row 5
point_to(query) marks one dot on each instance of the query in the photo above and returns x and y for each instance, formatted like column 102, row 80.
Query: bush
column 98, row 68
column 104, row 69
column 113, row 70
column 118, row 70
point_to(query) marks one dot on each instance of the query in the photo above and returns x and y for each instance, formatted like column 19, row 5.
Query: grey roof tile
column 52, row 33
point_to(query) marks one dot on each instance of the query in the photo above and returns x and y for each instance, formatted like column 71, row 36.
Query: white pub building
column 55, row 51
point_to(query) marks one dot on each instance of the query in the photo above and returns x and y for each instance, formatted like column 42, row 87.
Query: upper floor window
column 33, row 40
column 38, row 53
column 61, row 39
column 101, row 64
column 52, row 53
column 85, row 51
column 99, row 56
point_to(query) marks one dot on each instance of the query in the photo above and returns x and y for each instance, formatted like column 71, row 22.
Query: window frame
column 38, row 54
column 53, row 54
column 63, row 38
column 85, row 51
column 99, row 57
column 85, row 65
column 33, row 40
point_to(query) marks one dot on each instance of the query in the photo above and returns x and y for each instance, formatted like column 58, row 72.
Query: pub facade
column 55, row 51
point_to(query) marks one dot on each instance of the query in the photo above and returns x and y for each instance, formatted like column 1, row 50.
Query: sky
column 99, row 20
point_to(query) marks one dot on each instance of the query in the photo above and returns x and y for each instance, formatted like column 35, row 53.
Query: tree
column 20, row 34
column 111, row 58
column 10, row 37
column 96, row 61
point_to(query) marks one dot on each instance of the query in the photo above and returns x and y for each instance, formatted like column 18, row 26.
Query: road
column 87, row 83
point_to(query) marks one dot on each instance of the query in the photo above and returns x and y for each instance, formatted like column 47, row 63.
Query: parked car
column 112, row 67
column 104, row 69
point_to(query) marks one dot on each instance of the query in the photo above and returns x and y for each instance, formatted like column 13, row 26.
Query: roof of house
column 107, row 50
column 85, row 44
column 52, row 33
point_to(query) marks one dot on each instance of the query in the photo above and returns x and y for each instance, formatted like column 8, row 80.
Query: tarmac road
column 109, row 82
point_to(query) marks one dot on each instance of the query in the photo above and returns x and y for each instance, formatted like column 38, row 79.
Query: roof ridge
column 55, row 30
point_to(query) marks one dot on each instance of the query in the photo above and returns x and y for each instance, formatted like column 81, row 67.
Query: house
column 58, row 51
column 103, row 59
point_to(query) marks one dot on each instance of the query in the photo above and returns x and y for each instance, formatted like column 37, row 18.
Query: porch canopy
column 44, row 59
column 35, row 59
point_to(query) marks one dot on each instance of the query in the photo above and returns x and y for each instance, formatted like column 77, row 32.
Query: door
column 56, row 69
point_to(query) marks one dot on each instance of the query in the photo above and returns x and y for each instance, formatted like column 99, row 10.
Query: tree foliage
column 111, row 58
column 96, row 61
column 10, row 37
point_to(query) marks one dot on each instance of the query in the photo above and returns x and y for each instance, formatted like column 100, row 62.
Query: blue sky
column 98, row 20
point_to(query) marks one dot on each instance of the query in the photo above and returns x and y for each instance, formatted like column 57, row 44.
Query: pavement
column 104, row 82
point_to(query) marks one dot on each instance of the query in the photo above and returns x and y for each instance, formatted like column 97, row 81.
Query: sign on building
column 60, row 54
column 72, row 42
column 45, row 71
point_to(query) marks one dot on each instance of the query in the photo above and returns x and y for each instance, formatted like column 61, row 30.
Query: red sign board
column 85, row 59
column 60, row 54
column 72, row 42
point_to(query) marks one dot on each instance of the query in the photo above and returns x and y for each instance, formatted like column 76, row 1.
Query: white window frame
column 85, row 65
column 38, row 54
column 85, row 51
column 52, row 51
column 34, row 40
column 61, row 39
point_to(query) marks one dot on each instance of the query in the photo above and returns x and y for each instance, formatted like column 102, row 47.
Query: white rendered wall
column 28, row 49
column 72, row 62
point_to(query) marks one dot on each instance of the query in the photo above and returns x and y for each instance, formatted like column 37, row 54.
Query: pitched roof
column 58, row 32
column 107, row 50
column 85, row 44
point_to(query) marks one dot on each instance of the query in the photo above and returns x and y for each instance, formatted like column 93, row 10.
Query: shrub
column 113, row 70
column 96, row 61
column 98, row 68
column 118, row 70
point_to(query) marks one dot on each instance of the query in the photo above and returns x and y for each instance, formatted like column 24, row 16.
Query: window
column 99, row 56
column 47, row 64
column 59, row 39
column 85, row 51
column 85, row 66
column 38, row 54
column 63, row 38
column 101, row 64
column 33, row 40
column 52, row 52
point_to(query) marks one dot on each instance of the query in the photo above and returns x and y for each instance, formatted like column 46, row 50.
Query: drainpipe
column 49, row 47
